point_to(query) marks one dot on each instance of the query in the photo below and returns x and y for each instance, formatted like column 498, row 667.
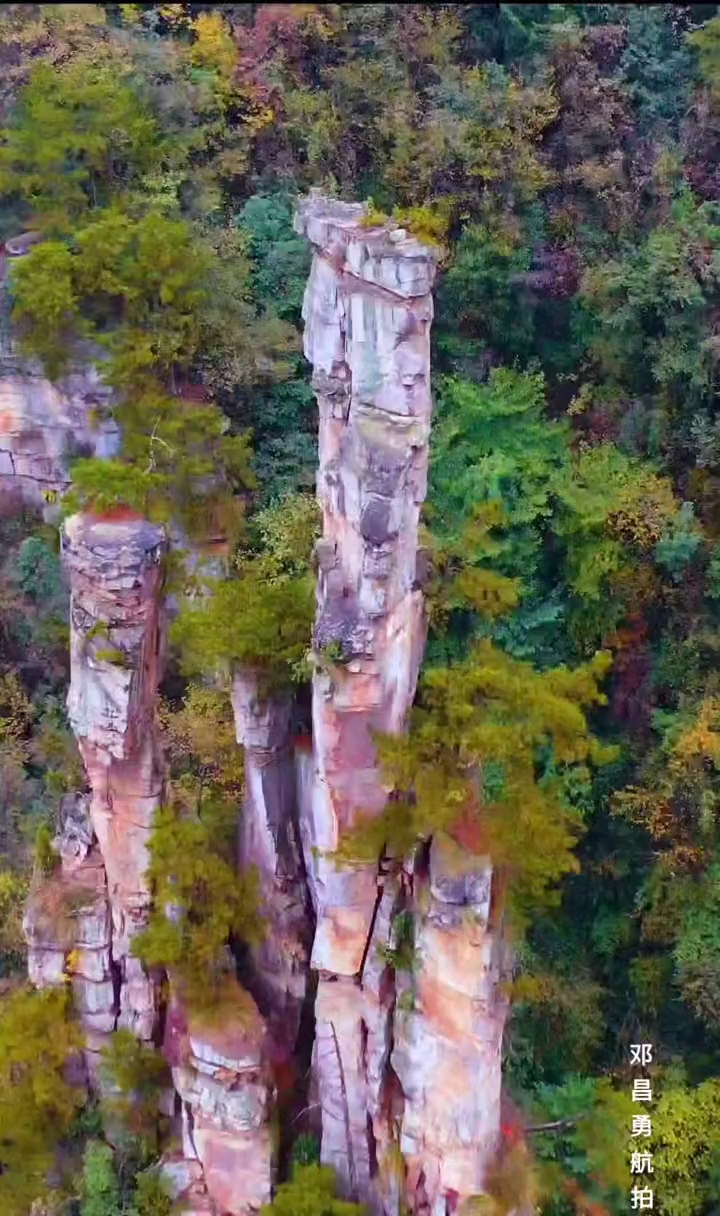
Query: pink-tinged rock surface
column 367, row 315
column 116, row 613
column 368, row 311
column 353, row 1029
column 448, row 1043
column 220, row 1072
column 42, row 424
column 68, row 928
column 185, row 1184
column 407, row 1061
column 269, row 841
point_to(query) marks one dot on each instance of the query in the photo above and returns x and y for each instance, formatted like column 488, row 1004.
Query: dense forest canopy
column 566, row 161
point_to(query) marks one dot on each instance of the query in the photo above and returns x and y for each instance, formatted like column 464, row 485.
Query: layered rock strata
column 115, row 569
column 407, row 1062
column 221, row 1076
column 408, row 1016
column 68, row 928
column 448, row 1027
column 367, row 312
column 42, row 425
column 81, row 920
column 219, row 1069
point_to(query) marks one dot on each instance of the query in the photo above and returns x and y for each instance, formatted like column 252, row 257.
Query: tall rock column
column 115, row 574
column 368, row 311
column 447, row 1033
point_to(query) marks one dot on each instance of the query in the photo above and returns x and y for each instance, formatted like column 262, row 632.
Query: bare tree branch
column 557, row 1126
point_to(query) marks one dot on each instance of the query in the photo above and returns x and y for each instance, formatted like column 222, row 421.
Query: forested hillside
column 564, row 160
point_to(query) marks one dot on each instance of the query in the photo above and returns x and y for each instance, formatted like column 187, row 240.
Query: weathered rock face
column 406, row 1062
column 448, row 1035
column 220, row 1074
column 68, row 928
column 269, row 840
column 367, row 314
column 42, row 425
column 115, row 647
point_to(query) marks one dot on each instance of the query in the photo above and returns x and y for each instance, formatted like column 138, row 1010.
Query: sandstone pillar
column 115, row 647
column 447, row 1035
column 367, row 311
column 220, row 1072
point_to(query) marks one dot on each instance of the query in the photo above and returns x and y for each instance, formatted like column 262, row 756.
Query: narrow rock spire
column 116, row 627
column 368, row 311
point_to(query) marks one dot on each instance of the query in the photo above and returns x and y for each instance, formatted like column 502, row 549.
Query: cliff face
column 81, row 919
column 68, row 925
column 42, row 425
column 219, row 1071
column 221, row 1078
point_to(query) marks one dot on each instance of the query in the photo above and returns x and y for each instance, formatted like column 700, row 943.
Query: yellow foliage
column 37, row 1104
column 13, row 893
column 644, row 508
column 428, row 223
column 176, row 15
column 701, row 741
column 16, row 710
column 258, row 120
column 214, row 45
column 72, row 961
column 468, row 768
column 203, row 731
column 374, row 217
column 685, row 1138
column 512, row 1186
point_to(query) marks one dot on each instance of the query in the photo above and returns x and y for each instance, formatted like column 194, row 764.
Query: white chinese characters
column 642, row 1198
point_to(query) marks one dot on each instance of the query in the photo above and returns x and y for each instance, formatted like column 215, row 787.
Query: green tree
column 468, row 769
column 262, row 618
column 139, row 1072
column 311, row 1191
column 685, row 1147
column 79, row 137
column 101, row 1187
column 200, row 900
column 37, row 1105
